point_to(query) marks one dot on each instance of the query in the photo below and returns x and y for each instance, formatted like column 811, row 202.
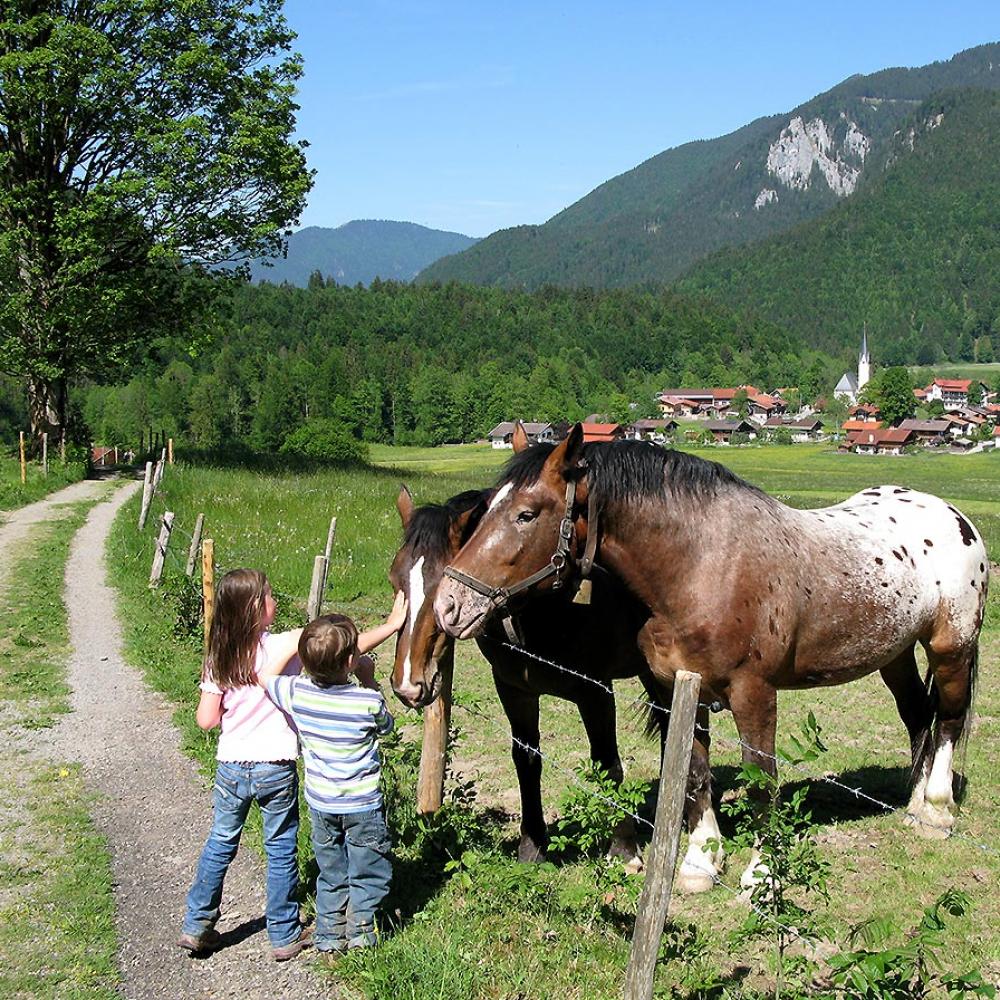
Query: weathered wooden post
column 159, row 468
column 195, row 542
column 330, row 535
column 208, row 584
column 160, row 554
column 24, row 464
column 316, row 589
column 147, row 495
column 45, row 453
column 170, row 450
column 662, row 855
column 434, row 752
column 62, row 446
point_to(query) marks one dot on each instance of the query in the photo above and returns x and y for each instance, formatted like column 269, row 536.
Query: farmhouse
column 802, row 430
column 723, row 430
column 602, row 432
column 502, row 435
column 928, row 431
column 883, row 441
column 646, row 429
column 850, row 426
column 949, row 390
column 865, row 413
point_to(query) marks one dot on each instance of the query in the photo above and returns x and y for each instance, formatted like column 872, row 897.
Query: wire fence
column 856, row 792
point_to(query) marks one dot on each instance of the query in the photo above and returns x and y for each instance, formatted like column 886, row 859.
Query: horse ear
column 404, row 504
column 520, row 439
column 565, row 456
column 465, row 523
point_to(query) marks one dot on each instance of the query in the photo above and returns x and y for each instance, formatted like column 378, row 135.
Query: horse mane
column 630, row 470
column 428, row 529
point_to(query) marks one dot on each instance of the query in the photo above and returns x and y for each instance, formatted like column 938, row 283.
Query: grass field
column 487, row 927
column 14, row 494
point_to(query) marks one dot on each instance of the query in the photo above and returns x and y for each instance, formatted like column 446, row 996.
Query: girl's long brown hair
column 235, row 632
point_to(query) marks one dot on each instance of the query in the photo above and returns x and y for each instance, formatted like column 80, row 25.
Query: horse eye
column 526, row 515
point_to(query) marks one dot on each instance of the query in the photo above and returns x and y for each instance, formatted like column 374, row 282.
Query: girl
column 256, row 762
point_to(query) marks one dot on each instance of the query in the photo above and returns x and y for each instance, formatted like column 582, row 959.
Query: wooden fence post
column 147, row 495
column 24, row 464
column 45, row 453
column 170, row 451
column 208, row 583
column 316, row 590
column 195, row 542
column 159, row 468
column 434, row 752
column 62, row 446
column 662, row 856
column 329, row 550
column 160, row 555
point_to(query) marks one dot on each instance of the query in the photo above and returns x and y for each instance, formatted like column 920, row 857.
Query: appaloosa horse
column 753, row 595
column 600, row 645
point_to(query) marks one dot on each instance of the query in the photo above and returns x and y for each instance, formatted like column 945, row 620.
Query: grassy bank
column 14, row 494
column 471, row 921
column 57, row 932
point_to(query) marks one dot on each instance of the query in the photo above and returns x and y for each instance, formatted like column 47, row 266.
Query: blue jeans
column 276, row 788
column 352, row 851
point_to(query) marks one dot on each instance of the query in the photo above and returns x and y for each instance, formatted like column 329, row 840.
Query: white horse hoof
column 691, row 881
column 930, row 823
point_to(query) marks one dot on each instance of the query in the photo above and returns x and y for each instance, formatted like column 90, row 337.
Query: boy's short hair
column 326, row 648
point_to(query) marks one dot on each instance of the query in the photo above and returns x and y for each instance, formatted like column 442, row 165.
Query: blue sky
column 473, row 116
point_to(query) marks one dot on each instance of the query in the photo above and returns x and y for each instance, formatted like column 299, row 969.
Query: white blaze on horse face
column 417, row 598
column 501, row 495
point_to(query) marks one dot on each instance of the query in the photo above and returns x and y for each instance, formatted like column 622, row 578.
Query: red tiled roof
column 599, row 432
column 882, row 435
column 861, row 425
column 959, row 384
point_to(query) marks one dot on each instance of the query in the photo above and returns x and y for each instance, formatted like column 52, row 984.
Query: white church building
column 849, row 386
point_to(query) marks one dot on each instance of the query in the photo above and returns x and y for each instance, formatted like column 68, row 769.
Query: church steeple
column 864, row 360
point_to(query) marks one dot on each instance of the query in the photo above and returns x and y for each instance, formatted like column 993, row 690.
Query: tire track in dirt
column 155, row 811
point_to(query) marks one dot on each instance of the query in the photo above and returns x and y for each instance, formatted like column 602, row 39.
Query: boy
column 338, row 724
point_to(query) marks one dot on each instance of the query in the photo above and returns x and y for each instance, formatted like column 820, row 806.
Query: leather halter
column 499, row 597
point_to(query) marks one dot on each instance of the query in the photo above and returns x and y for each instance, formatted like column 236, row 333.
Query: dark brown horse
column 753, row 595
column 601, row 647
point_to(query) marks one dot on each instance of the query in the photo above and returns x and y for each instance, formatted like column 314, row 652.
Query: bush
column 782, row 435
column 325, row 441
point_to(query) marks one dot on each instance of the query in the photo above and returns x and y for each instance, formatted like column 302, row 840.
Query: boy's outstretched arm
column 392, row 624
column 280, row 650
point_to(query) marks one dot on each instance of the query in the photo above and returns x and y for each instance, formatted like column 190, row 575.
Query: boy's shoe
column 330, row 956
column 286, row 951
column 198, row 944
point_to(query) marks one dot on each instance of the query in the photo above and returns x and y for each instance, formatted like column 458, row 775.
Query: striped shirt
column 338, row 727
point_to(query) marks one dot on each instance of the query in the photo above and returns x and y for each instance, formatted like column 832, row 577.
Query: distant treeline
column 431, row 364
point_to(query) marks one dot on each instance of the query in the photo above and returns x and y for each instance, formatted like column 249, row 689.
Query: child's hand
column 397, row 617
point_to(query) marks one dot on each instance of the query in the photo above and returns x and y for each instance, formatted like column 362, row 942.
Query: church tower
column 864, row 360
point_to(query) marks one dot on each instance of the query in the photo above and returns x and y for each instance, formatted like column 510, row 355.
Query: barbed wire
column 740, row 744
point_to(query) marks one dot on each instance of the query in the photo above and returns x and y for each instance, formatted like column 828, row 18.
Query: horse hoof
column 530, row 854
column 634, row 865
column 692, row 881
column 930, row 823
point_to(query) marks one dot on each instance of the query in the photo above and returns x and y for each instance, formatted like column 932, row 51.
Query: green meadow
column 466, row 919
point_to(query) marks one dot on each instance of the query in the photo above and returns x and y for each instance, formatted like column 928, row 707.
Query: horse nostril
column 449, row 611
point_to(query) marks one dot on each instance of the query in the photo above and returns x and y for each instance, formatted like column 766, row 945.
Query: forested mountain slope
column 915, row 253
column 360, row 251
column 654, row 222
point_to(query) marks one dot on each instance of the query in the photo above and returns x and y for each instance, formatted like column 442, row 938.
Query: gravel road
column 151, row 804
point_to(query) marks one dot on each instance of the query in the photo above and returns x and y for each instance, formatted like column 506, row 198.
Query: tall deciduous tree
column 892, row 391
column 140, row 140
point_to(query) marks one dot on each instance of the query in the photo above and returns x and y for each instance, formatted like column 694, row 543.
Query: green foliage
column 917, row 968
column 592, row 809
column 891, row 390
column 325, row 441
column 159, row 144
column 781, row 435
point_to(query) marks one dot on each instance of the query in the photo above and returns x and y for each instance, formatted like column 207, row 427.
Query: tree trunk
column 45, row 399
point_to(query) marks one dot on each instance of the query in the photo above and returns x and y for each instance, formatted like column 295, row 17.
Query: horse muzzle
column 459, row 611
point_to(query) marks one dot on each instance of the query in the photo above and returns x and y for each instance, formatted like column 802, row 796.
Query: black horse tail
column 655, row 712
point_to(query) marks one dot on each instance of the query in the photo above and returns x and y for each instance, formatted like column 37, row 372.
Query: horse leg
column 521, row 709
column 703, row 861
column 931, row 808
column 754, row 704
column 913, row 703
column 597, row 711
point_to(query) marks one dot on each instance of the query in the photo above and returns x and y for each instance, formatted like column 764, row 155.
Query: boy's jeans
column 276, row 789
column 352, row 851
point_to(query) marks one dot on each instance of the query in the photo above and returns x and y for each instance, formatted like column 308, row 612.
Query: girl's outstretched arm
column 280, row 649
column 392, row 624
column 209, row 712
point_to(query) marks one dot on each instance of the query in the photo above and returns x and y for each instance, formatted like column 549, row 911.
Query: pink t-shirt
column 253, row 728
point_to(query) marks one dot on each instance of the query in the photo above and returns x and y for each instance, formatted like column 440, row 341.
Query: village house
column 503, row 434
column 880, row 441
column 802, row 429
column 723, row 430
column 929, row 431
column 649, row 429
column 951, row 391
column 851, row 426
column 865, row 413
column 602, row 432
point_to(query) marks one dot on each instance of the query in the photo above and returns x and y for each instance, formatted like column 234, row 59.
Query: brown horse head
column 518, row 535
column 432, row 535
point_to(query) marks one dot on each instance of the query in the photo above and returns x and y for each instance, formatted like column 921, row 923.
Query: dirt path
column 154, row 810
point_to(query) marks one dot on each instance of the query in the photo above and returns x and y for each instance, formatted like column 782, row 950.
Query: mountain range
column 795, row 173
column 359, row 252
